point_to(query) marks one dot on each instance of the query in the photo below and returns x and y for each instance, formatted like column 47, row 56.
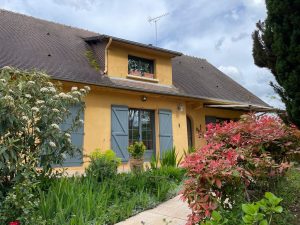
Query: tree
column 276, row 46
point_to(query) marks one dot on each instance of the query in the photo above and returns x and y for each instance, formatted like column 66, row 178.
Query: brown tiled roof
column 197, row 77
column 59, row 50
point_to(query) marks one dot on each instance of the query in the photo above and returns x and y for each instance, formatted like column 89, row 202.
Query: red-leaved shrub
column 236, row 153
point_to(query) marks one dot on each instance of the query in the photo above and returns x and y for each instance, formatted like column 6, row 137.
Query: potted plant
column 149, row 75
column 136, row 152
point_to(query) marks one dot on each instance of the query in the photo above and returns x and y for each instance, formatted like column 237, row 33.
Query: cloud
column 233, row 72
column 216, row 30
column 219, row 43
column 239, row 37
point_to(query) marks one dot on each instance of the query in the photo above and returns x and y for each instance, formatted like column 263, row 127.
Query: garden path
column 174, row 211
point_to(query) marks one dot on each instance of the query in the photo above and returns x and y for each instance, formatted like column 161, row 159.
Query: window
column 141, row 128
column 140, row 67
column 212, row 119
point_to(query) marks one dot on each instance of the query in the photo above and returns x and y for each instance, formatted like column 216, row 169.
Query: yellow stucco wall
column 97, row 118
column 117, row 62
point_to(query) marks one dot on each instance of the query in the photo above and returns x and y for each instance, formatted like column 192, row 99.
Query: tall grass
column 83, row 200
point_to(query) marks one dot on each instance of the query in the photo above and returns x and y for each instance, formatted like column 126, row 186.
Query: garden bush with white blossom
column 31, row 111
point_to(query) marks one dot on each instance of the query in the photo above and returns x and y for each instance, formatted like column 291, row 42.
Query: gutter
column 106, row 55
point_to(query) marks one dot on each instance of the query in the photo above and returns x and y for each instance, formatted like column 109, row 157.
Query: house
column 138, row 91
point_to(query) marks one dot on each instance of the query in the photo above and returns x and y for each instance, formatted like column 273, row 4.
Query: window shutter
column 119, row 131
column 76, row 137
column 165, row 130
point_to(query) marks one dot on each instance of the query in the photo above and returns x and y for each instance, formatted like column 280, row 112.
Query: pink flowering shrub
column 236, row 153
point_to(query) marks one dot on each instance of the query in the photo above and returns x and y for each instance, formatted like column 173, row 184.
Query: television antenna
column 155, row 20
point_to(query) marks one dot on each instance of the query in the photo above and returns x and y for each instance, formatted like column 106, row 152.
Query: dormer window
column 140, row 67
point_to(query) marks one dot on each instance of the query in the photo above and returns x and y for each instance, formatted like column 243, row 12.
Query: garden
column 246, row 174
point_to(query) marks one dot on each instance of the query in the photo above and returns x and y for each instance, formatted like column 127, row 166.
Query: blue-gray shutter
column 76, row 137
column 119, row 131
column 165, row 130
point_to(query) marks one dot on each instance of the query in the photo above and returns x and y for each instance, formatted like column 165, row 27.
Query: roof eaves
column 196, row 97
column 103, row 36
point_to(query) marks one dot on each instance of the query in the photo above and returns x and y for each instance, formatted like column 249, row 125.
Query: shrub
column 103, row 165
column 31, row 109
column 170, row 158
column 137, row 150
column 237, row 153
column 261, row 212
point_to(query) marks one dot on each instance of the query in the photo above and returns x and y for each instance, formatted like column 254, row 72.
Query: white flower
column 44, row 89
column 27, row 95
column 213, row 194
column 69, row 96
column 62, row 95
column 30, row 82
column 65, row 96
column 39, row 102
column 83, row 91
column 25, row 118
column 68, row 135
column 74, row 89
column 8, row 98
column 52, row 89
column 55, row 126
column 52, row 144
column 76, row 93
column 34, row 109
column 87, row 88
column 55, row 110
column 50, row 84
column 226, row 201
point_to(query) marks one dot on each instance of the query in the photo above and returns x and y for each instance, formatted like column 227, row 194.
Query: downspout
column 106, row 55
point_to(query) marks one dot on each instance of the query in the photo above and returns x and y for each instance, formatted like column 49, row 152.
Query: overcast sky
column 217, row 30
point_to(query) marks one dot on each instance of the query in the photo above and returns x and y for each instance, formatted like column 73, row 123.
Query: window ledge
column 142, row 78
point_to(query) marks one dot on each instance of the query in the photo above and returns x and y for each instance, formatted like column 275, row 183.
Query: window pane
column 147, row 121
column 141, row 125
column 133, row 126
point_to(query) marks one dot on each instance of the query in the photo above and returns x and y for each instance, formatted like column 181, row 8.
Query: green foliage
column 103, row 165
column 83, row 200
column 92, row 60
column 261, row 212
column 137, row 150
column 276, row 47
column 21, row 201
column 31, row 107
column 287, row 187
column 169, row 158
column 216, row 219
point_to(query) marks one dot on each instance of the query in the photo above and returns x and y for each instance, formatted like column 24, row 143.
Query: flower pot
column 149, row 75
column 136, row 165
column 135, row 72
